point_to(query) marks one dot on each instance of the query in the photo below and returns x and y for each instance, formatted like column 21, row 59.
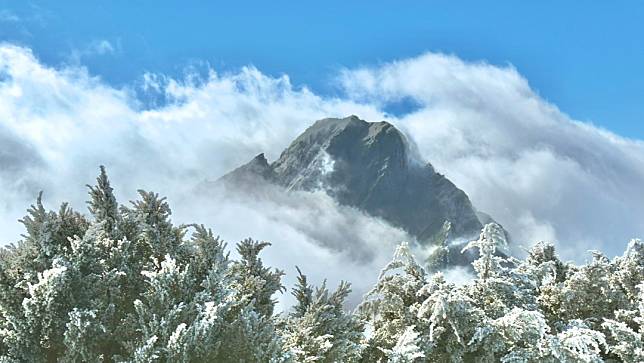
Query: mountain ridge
column 369, row 166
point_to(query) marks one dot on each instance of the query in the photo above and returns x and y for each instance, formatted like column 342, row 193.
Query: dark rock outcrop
column 368, row 166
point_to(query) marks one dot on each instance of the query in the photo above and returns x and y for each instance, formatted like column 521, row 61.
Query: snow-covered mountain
column 369, row 166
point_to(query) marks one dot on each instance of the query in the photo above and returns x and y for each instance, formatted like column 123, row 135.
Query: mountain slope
column 367, row 166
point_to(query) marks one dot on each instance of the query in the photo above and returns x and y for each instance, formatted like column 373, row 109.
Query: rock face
column 368, row 166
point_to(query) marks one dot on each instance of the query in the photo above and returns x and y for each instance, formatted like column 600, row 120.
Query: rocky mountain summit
column 369, row 166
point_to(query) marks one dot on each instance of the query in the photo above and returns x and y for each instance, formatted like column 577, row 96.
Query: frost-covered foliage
column 536, row 310
column 438, row 259
column 318, row 329
column 126, row 285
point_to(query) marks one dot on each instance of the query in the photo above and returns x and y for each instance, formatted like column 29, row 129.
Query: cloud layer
column 535, row 170
column 540, row 173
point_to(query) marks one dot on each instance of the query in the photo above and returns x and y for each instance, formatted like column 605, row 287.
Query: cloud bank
column 539, row 173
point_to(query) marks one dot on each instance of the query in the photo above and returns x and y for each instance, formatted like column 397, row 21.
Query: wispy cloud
column 97, row 47
column 7, row 16
column 101, row 47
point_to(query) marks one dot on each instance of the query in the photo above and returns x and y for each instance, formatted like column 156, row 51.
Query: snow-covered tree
column 319, row 329
column 125, row 284
column 406, row 349
column 254, row 282
column 625, row 332
column 438, row 258
column 448, row 318
column 390, row 307
column 102, row 204
column 492, row 238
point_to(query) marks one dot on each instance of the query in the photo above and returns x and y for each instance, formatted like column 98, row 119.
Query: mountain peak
column 331, row 127
column 260, row 159
column 367, row 165
column 343, row 139
column 338, row 122
column 249, row 172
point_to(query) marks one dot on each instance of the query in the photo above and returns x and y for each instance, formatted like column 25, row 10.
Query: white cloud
column 539, row 173
column 101, row 47
column 311, row 230
column 71, row 123
column 95, row 48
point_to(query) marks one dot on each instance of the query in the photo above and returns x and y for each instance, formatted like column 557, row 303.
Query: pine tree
column 303, row 293
column 318, row 329
column 101, row 289
column 391, row 306
column 254, row 282
column 102, row 204
column 491, row 239
column 126, row 285
column 438, row 260
column 406, row 349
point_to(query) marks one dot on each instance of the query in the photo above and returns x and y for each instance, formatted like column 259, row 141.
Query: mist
column 541, row 174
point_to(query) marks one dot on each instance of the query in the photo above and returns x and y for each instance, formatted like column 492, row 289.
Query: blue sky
column 586, row 58
column 540, row 173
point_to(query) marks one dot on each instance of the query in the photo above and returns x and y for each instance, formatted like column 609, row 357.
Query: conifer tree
column 102, row 204
column 250, row 275
column 318, row 329
column 438, row 260
column 391, row 306
column 491, row 239
column 303, row 293
column 127, row 285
